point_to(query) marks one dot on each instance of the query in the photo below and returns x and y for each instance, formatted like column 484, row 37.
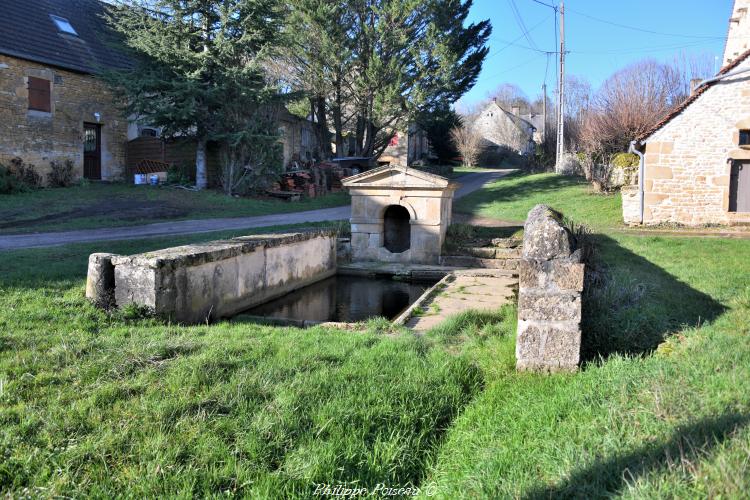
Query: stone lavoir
column 288, row 279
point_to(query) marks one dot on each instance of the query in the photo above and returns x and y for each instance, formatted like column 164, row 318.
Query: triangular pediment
column 397, row 177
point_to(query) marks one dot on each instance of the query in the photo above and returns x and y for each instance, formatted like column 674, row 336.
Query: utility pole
column 544, row 112
column 561, row 95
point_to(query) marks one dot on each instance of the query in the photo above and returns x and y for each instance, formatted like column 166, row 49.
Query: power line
column 517, row 39
column 545, row 4
column 642, row 30
column 521, row 24
column 526, row 62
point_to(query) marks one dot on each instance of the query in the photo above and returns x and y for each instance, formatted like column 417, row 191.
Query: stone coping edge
column 428, row 295
column 212, row 251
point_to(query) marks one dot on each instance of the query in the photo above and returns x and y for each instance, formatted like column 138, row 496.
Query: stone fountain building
column 399, row 214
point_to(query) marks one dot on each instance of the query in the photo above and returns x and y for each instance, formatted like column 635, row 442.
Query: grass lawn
column 100, row 405
column 512, row 197
column 111, row 205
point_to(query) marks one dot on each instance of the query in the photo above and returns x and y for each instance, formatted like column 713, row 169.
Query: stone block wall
column 551, row 278
column 631, row 205
column 193, row 283
column 38, row 137
column 688, row 161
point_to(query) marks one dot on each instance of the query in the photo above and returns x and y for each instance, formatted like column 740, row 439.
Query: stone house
column 407, row 148
column 504, row 130
column 52, row 105
column 695, row 166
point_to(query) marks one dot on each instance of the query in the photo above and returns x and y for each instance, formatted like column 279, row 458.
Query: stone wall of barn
column 688, row 161
column 39, row 137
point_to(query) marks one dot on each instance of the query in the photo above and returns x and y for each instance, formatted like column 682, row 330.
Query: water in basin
column 344, row 299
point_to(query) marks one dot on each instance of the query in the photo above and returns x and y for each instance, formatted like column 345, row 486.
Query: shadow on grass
column 608, row 477
column 631, row 305
column 525, row 189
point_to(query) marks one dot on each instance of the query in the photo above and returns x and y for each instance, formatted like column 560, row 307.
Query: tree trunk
column 324, row 141
column 337, row 123
column 201, row 170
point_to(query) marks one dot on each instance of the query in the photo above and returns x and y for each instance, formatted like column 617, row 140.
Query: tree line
column 220, row 70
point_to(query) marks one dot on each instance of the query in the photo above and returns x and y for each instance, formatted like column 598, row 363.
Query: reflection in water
column 345, row 299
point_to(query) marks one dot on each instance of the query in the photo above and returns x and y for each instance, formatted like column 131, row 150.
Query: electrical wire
column 509, row 44
column 521, row 24
column 642, row 30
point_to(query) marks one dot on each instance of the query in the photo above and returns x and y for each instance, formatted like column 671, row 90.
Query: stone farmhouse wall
column 38, row 137
column 687, row 162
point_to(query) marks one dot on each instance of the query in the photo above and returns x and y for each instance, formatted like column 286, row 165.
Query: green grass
column 93, row 404
column 512, row 197
column 670, row 420
column 112, row 205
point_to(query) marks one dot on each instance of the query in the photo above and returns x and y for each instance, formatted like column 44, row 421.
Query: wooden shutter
column 39, row 94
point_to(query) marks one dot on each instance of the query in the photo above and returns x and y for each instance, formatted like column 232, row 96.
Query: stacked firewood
column 322, row 178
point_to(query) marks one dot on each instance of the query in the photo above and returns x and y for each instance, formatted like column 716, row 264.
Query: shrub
column 26, row 173
column 625, row 160
column 179, row 174
column 18, row 177
column 61, row 173
column 9, row 183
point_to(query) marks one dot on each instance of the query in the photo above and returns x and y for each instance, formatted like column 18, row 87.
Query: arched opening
column 396, row 229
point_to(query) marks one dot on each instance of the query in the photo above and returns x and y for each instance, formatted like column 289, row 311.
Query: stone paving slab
column 476, row 289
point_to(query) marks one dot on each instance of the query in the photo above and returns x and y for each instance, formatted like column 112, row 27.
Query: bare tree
column 692, row 67
column 628, row 104
column 468, row 142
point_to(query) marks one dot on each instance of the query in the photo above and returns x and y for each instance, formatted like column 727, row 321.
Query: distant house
column 504, row 130
column 52, row 105
column 407, row 148
column 696, row 160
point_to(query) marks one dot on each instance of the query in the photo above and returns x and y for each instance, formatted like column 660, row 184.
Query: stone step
column 507, row 242
column 477, row 262
column 491, row 252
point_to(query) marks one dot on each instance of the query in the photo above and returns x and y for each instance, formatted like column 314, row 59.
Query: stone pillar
column 549, row 301
column 100, row 281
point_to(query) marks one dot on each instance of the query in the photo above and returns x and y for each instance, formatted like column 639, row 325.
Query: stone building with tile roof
column 695, row 163
column 53, row 106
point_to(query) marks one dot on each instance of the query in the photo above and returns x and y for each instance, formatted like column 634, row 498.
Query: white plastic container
column 140, row 179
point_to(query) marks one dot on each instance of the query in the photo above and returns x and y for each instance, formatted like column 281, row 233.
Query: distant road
column 469, row 183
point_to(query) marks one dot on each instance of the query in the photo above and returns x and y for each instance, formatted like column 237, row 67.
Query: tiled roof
column 694, row 97
column 28, row 32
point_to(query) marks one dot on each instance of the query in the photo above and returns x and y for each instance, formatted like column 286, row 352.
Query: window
column 63, row 25
column 39, row 94
column 148, row 132
column 744, row 137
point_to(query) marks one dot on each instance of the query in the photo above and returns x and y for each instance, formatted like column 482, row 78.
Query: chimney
column 516, row 110
column 694, row 83
column 738, row 37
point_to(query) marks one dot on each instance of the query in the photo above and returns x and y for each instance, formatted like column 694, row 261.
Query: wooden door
column 739, row 187
column 92, row 151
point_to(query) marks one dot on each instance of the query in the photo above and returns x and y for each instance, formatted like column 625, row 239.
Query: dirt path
column 469, row 183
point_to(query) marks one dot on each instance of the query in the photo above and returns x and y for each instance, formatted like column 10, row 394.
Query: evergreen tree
column 197, row 62
column 381, row 63
column 437, row 124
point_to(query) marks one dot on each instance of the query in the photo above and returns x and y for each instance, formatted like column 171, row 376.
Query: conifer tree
column 197, row 63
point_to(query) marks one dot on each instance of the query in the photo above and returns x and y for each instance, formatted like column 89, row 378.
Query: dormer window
column 744, row 138
column 63, row 25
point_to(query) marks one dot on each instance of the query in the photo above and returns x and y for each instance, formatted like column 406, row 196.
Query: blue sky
column 597, row 49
